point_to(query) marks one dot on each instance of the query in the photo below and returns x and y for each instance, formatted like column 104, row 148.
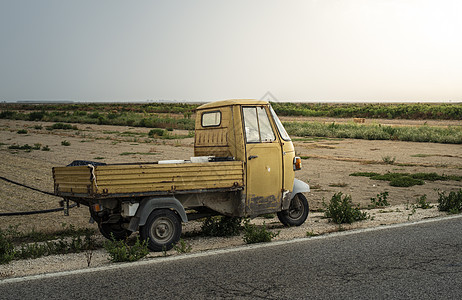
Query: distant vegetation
column 153, row 115
column 415, row 111
column 171, row 116
column 424, row 133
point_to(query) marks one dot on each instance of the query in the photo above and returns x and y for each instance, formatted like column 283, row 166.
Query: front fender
column 299, row 187
column 150, row 204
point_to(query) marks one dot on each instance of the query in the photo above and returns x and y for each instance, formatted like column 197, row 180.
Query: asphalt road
column 422, row 261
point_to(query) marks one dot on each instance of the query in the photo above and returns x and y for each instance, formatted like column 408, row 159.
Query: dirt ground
column 327, row 169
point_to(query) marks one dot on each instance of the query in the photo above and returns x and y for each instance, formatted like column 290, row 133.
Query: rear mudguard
column 150, row 204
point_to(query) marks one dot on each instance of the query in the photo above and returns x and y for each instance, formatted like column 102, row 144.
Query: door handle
column 252, row 156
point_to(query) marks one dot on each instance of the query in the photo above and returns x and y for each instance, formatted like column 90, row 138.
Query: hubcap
column 296, row 208
column 162, row 230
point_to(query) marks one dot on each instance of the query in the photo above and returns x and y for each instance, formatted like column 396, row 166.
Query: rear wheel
column 297, row 212
column 162, row 230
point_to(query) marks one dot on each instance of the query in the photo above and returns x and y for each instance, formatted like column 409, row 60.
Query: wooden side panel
column 168, row 177
column 145, row 178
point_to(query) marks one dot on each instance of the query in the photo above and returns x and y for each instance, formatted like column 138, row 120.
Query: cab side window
column 211, row 119
column 257, row 125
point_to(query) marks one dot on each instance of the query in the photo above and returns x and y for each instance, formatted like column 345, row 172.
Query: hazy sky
column 309, row 50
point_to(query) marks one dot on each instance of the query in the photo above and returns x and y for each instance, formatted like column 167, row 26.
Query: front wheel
column 297, row 212
column 162, row 230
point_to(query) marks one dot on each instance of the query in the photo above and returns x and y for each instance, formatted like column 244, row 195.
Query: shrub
column 38, row 127
column 65, row 143
column 257, row 234
column 388, row 160
column 120, row 251
column 341, row 210
column 405, row 181
column 63, row 126
column 7, row 114
column 36, row 115
column 156, row 132
column 23, row 147
column 380, row 200
column 21, row 131
column 221, row 226
column 45, row 148
column 451, row 203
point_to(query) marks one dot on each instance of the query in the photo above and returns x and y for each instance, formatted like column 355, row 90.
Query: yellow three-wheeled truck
column 244, row 165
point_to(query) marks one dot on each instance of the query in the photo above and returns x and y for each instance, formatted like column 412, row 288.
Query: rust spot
column 259, row 205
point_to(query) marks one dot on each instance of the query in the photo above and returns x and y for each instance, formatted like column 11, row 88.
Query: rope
column 24, row 213
column 35, row 212
column 93, row 176
column 26, row 186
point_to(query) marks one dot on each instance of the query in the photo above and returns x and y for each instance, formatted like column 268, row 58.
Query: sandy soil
column 327, row 169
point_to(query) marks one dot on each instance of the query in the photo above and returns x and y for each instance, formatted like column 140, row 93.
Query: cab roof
column 232, row 102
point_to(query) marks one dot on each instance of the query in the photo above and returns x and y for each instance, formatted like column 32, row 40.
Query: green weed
column 221, row 226
column 380, row 200
column 21, row 131
column 7, row 252
column 182, row 247
column 340, row 210
column 421, row 202
column 34, row 244
column 121, row 251
column 257, row 234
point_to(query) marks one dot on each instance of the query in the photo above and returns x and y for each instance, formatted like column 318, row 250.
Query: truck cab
column 251, row 132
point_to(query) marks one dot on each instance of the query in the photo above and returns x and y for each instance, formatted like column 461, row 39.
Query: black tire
column 113, row 231
column 297, row 213
column 162, row 230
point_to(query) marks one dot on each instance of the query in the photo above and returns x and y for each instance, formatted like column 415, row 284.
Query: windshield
column 281, row 128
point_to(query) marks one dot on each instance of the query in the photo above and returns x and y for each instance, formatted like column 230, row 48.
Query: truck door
column 263, row 162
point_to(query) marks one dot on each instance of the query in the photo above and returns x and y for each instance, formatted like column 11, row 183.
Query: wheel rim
column 162, row 230
column 296, row 208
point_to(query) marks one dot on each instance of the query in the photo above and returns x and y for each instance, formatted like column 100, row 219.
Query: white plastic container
column 200, row 159
column 172, row 161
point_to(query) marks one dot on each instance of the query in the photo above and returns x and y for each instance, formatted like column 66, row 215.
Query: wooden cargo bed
column 128, row 180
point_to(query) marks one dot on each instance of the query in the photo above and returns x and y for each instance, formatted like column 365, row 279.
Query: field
column 29, row 149
column 327, row 162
